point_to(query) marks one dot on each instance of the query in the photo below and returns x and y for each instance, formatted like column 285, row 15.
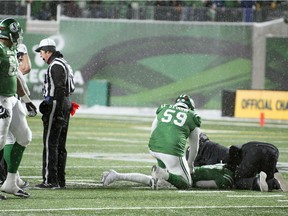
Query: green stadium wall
column 147, row 63
column 276, row 72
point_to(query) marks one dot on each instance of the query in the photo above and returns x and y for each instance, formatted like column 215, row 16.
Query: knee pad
column 25, row 138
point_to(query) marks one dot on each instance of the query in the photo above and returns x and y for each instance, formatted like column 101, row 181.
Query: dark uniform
column 210, row 152
column 250, row 159
column 56, row 114
column 246, row 161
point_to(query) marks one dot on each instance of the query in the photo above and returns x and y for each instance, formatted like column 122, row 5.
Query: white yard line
column 142, row 208
column 256, row 196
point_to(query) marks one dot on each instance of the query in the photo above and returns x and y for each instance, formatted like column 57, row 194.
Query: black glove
column 60, row 122
column 31, row 108
column 4, row 113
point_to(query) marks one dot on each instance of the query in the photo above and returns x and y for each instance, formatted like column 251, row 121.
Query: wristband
column 26, row 99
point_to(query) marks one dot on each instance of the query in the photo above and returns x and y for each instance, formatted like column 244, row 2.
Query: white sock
column 19, row 181
column 134, row 177
column 162, row 173
column 11, row 177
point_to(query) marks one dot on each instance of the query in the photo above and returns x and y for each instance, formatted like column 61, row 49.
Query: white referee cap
column 47, row 44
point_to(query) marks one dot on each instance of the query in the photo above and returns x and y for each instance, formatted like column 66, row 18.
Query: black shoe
column 21, row 193
column 2, row 197
column 47, row 186
column 62, row 186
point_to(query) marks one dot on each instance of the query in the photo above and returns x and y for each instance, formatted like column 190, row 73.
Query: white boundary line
column 252, row 196
column 141, row 208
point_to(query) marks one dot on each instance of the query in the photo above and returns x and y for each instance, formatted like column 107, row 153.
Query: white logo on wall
column 36, row 76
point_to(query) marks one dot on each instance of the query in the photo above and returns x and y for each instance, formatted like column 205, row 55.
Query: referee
column 56, row 107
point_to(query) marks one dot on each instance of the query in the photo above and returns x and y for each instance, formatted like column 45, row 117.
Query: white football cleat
column 283, row 185
column 108, row 177
column 20, row 182
column 154, row 184
column 159, row 173
column 262, row 182
column 12, row 188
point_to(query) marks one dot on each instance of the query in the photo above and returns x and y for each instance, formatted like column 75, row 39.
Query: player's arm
column 32, row 110
column 20, row 88
column 155, row 121
column 23, row 83
column 25, row 66
column 193, row 145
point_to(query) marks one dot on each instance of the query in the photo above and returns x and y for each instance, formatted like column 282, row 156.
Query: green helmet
column 10, row 29
column 185, row 101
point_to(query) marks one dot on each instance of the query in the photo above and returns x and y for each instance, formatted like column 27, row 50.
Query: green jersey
column 173, row 128
column 222, row 176
column 8, row 71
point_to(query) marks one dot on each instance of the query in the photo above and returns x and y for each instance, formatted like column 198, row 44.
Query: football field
column 99, row 142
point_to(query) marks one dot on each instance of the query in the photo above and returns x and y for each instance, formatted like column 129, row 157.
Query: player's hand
column 22, row 48
column 31, row 108
column 4, row 113
column 60, row 122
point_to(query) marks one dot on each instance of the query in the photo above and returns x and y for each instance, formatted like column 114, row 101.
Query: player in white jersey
column 12, row 114
column 23, row 90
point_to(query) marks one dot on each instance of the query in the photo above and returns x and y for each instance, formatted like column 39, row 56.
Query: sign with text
column 251, row 103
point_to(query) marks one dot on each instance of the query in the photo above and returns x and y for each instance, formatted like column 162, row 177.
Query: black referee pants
column 54, row 147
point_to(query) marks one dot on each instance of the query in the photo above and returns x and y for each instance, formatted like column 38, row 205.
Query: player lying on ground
column 218, row 175
column 250, row 162
column 209, row 176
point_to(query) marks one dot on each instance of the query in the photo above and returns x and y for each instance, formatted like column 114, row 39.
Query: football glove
column 31, row 108
column 4, row 113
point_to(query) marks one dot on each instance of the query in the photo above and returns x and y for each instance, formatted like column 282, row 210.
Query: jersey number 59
column 180, row 117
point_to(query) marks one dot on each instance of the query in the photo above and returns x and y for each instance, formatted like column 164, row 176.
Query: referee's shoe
column 2, row 197
column 47, row 186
